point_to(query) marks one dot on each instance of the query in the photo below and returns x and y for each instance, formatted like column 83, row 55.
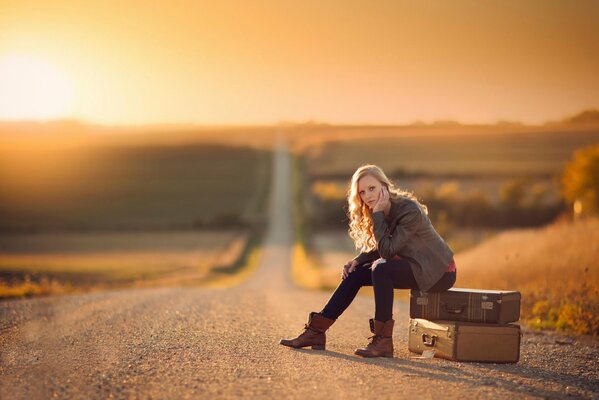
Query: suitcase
column 466, row 341
column 471, row 305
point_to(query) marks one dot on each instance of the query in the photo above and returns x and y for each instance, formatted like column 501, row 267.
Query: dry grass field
column 57, row 263
column 556, row 268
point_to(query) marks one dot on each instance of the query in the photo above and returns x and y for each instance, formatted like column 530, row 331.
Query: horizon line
column 283, row 122
column 417, row 123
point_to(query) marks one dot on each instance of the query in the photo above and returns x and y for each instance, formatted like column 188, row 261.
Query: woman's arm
column 390, row 244
column 369, row 256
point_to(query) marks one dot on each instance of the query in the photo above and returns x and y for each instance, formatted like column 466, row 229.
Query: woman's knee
column 357, row 278
column 379, row 268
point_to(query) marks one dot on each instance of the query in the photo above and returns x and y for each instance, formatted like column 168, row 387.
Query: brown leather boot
column 313, row 335
column 381, row 344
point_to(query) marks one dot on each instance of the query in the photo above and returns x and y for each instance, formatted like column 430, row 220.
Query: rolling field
column 140, row 209
column 146, row 187
column 465, row 150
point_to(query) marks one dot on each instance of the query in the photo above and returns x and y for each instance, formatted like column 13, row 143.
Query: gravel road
column 221, row 343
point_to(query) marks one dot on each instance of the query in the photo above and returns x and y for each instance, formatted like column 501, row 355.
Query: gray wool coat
column 407, row 232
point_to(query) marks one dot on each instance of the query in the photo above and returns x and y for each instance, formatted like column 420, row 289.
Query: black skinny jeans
column 384, row 276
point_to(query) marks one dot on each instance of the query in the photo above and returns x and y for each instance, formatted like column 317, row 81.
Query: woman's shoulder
column 402, row 207
column 404, row 203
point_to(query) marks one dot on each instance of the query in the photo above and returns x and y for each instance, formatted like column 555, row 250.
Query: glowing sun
column 32, row 88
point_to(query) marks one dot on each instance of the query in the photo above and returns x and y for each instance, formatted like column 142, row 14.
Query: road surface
column 223, row 343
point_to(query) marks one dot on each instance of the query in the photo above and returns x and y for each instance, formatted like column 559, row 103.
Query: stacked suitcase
column 466, row 324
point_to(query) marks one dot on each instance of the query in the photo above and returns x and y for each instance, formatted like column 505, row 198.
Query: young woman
column 399, row 249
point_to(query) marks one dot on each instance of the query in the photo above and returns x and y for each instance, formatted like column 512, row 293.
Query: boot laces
column 374, row 339
column 309, row 328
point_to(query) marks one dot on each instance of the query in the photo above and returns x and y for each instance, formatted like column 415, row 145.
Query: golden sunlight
column 33, row 88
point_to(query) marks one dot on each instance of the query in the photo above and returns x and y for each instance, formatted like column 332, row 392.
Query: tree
column 580, row 181
column 513, row 193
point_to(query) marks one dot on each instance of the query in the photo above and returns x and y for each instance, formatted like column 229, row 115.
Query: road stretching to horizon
column 221, row 343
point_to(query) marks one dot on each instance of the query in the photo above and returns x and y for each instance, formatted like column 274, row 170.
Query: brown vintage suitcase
column 466, row 341
column 472, row 305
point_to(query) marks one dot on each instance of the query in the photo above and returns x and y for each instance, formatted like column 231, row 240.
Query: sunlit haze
column 231, row 62
column 33, row 89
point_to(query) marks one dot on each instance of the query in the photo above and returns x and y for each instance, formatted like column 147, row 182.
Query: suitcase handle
column 429, row 342
column 456, row 310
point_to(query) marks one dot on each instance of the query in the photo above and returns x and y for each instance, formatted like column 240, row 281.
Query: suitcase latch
column 429, row 340
column 453, row 309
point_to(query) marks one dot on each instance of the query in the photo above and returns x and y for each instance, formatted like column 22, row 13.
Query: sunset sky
column 255, row 62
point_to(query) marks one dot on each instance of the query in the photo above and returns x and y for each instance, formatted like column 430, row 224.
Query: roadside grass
column 243, row 265
column 556, row 268
column 27, row 288
column 303, row 271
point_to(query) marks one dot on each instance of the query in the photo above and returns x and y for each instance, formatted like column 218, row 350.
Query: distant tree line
column 521, row 204
column 516, row 209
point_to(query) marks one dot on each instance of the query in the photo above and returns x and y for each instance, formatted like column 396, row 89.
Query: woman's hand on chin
column 383, row 200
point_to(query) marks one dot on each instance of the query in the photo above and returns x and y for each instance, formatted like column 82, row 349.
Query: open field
column 88, row 207
column 486, row 150
column 120, row 188
column 54, row 263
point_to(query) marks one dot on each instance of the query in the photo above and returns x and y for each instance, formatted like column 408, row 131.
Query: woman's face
column 369, row 190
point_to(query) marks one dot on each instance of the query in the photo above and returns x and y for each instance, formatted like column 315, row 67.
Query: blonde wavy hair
column 360, row 216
